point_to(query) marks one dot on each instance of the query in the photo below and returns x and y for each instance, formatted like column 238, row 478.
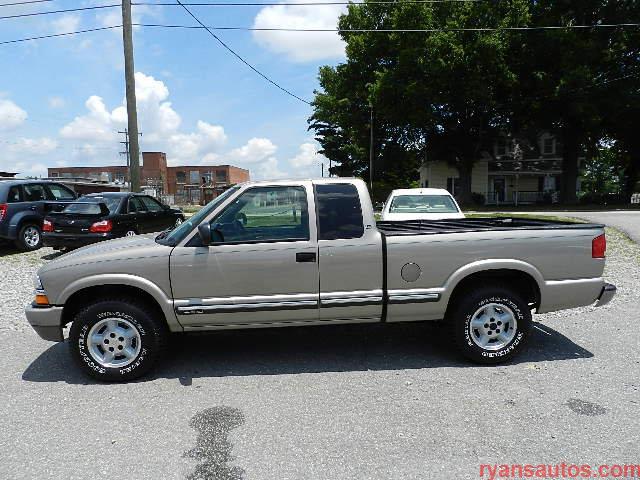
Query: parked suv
column 23, row 205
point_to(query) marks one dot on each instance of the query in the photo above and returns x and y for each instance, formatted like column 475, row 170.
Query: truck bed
column 479, row 224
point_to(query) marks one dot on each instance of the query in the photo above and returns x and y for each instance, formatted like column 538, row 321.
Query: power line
column 328, row 30
column 27, row 2
column 54, row 35
column 202, row 25
column 51, row 12
column 391, row 30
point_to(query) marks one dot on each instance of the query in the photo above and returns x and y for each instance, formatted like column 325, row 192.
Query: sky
column 62, row 99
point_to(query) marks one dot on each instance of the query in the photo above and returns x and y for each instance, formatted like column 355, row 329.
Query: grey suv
column 23, row 205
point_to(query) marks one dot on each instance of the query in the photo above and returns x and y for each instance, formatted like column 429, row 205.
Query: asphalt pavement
column 627, row 221
column 361, row 402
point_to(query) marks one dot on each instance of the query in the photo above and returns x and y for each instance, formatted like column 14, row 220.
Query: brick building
column 196, row 184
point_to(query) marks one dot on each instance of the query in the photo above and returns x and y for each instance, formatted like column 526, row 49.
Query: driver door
column 261, row 267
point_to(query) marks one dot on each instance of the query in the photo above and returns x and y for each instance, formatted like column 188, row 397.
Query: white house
column 514, row 172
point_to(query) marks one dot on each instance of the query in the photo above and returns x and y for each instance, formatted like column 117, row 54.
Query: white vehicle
column 420, row 204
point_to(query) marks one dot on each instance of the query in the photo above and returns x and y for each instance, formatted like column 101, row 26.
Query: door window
column 58, row 192
column 135, row 205
column 265, row 214
column 33, row 192
column 151, row 204
column 339, row 212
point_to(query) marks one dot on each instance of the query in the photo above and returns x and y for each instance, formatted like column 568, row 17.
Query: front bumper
column 46, row 321
column 606, row 294
column 65, row 240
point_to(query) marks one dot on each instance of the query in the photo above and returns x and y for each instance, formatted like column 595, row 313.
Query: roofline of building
column 89, row 167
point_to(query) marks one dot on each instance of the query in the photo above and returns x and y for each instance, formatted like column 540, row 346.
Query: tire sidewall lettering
column 513, row 345
column 91, row 363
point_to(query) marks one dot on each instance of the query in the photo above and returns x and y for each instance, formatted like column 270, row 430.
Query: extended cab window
column 339, row 212
column 265, row 214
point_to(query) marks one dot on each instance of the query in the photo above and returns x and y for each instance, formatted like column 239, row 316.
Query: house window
column 221, row 176
column 502, row 147
column 548, row 146
column 194, row 177
column 453, row 185
column 181, row 177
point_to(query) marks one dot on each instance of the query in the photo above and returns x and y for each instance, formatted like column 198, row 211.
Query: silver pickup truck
column 269, row 254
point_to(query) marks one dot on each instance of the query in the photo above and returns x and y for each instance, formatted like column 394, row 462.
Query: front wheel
column 490, row 324
column 116, row 340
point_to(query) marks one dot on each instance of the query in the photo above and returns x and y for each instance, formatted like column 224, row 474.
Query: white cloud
column 158, row 121
column 30, row 169
column 98, row 125
column 254, row 151
column 307, row 162
column 269, row 170
column 33, row 146
column 66, row 23
column 56, row 102
column 11, row 115
column 301, row 46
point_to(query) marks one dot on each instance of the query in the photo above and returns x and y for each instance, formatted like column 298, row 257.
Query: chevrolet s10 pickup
column 284, row 253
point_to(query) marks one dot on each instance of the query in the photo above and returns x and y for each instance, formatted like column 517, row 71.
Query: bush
column 478, row 198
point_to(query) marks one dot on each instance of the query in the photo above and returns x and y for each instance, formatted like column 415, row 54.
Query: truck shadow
column 280, row 351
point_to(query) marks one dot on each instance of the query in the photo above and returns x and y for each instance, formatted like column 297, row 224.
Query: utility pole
column 127, row 152
column 130, row 84
column 322, row 168
column 371, row 147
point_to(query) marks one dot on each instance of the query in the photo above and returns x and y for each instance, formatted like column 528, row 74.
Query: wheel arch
column 74, row 297
column 19, row 219
column 522, row 277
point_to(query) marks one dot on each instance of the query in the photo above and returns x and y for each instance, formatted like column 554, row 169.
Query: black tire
column 505, row 303
column 152, row 332
column 22, row 243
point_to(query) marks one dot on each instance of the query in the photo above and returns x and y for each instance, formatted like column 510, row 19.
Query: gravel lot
column 326, row 403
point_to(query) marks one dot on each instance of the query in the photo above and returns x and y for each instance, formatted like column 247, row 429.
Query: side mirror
column 210, row 233
column 204, row 231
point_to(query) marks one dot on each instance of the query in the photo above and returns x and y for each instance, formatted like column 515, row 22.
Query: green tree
column 601, row 173
column 437, row 95
column 570, row 78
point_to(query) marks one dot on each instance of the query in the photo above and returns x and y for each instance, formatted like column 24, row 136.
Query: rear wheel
column 29, row 237
column 117, row 340
column 490, row 324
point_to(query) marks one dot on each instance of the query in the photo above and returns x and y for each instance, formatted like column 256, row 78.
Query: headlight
column 37, row 283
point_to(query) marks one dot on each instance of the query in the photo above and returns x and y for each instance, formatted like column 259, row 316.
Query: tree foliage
column 448, row 94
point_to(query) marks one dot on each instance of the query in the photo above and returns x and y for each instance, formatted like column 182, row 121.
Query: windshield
column 423, row 204
column 90, row 205
column 180, row 232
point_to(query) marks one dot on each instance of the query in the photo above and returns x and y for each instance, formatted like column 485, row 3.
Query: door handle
column 33, row 208
column 306, row 257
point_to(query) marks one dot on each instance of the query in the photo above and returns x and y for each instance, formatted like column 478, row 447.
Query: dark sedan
column 103, row 216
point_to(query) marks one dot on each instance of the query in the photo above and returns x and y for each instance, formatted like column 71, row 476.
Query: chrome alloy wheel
column 493, row 326
column 178, row 222
column 130, row 233
column 31, row 236
column 114, row 342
